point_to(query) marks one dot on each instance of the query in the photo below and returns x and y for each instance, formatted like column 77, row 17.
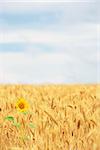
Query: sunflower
column 22, row 105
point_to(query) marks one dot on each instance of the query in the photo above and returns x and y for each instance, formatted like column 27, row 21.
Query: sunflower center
column 21, row 105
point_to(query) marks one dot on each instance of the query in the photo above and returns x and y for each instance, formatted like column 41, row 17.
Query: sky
column 49, row 42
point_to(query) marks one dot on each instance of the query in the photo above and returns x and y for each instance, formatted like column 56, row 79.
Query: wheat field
column 60, row 117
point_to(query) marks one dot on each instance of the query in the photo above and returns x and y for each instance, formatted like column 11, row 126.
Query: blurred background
column 49, row 42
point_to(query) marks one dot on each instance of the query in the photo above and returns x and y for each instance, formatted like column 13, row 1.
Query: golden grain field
column 60, row 117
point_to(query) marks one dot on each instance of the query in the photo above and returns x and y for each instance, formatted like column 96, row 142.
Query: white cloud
column 75, row 61
column 55, row 67
column 79, row 11
column 31, row 36
column 51, row 1
column 22, row 68
column 78, row 34
column 66, row 6
column 74, row 57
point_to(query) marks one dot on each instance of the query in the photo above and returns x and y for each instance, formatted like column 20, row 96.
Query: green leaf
column 32, row 125
column 17, row 124
column 25, row 138
column 25, row 113
column 10, row 118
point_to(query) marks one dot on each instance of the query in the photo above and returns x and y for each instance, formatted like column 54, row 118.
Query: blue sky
column 48, row 42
